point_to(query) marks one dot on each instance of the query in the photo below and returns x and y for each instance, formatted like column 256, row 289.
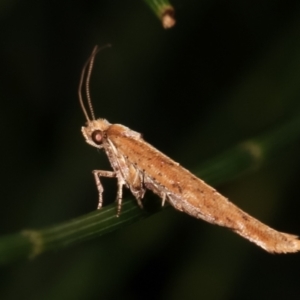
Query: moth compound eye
column 97, row 137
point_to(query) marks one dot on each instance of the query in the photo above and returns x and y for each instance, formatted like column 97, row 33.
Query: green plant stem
column 249, row 155
column 246, row 156
column 164, row 11
column 30, row 243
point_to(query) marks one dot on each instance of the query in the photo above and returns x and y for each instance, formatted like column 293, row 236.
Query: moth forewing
column 139, row 166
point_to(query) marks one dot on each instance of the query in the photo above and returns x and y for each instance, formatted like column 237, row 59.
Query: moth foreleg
column 97, row 175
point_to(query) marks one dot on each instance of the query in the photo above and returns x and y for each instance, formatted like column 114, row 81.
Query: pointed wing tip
column 289, row 243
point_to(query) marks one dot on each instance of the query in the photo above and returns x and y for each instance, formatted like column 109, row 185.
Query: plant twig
column 244, row 157
column 30, row 243
column 164, row 11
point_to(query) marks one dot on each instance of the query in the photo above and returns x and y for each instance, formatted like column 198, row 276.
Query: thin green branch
column 164, row 11
column 242, row 158
column 249, row 155
column 30, row 243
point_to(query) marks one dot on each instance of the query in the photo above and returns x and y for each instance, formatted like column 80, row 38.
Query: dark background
column 228, row 71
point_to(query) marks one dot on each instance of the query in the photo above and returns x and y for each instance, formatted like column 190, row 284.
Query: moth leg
column 97, row 175
column 139, row 202
column 119, row 195
column 163, row 199
column 140, row 191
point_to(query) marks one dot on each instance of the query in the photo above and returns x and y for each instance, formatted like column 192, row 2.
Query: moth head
column 95, row 132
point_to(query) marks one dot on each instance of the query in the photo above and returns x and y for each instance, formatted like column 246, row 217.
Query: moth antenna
column 80, row 90
column 89, row 64
column 88, row 79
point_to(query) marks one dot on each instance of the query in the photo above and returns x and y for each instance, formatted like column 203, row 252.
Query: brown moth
column 139, row 166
